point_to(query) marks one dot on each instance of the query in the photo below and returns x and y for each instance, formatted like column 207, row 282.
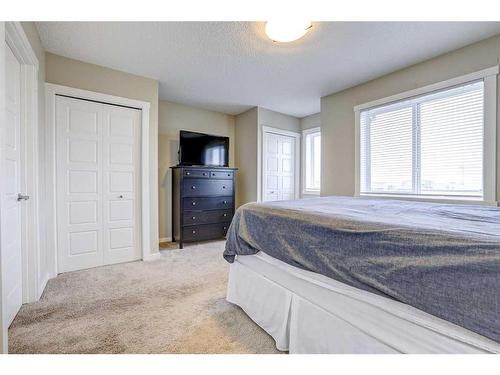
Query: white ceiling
column 231, row 66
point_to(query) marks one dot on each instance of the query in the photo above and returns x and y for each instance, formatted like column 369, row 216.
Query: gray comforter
column 440, row 258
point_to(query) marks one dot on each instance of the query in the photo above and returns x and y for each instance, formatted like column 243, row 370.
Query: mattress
column 439, row 258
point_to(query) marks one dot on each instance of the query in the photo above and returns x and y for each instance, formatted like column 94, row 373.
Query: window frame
column 305, row 133
column 489, row 77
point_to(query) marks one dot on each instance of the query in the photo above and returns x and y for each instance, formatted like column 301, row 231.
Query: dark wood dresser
column 202, row 203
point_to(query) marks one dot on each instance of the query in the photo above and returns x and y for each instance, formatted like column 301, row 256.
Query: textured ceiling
column 231, row 66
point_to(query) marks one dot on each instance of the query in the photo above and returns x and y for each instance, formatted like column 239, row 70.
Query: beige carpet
column 174, row 305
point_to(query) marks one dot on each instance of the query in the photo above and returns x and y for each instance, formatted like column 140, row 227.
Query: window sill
column 311, row 192
column 433, row 199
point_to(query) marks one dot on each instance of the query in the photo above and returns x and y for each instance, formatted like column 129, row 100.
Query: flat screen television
column 203, row 149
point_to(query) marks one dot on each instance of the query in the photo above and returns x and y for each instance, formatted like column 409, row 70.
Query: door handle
column 21, row 197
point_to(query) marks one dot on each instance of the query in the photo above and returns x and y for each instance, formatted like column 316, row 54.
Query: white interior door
column 97, row 184
column 11, row 215
column 279, row 167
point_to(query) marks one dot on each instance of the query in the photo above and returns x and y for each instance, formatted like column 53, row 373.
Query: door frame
column 268, row 129
column 51, row 91
column 32, row 281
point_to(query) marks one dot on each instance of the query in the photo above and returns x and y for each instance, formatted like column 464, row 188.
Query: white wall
column 172, row 118
column 337, row 115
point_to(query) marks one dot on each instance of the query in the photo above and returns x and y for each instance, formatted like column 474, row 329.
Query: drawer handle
column 194, row 232
column 224, row 215
column 213, row 174
column 193, row 187
column 225, row 228
column 224, row 202
column 194, row 217
column 194, row 203
column 188, row 173
column 229, row 175
column 223, row 187
column 204, row 173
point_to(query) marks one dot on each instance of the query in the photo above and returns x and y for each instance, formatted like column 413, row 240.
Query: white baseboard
column 166, row 239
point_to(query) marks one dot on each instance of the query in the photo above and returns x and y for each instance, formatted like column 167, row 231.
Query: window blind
column 427, row 145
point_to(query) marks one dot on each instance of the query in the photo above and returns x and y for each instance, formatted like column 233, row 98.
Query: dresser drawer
column 204, row 232
column 197, row 187
column 207, row 217
column 196, row 173
column 207, row 203
column 226, row 175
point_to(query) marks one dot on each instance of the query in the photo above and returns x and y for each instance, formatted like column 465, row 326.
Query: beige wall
column 311, row 121
column 278, row 120
column 68, row 72
column 337, row 116
column 248, row 130
column 172, row 118
column 246, row 156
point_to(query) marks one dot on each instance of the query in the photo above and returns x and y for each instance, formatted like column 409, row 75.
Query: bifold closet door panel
column 79, row 184
column 121, row 168
column 97, row 161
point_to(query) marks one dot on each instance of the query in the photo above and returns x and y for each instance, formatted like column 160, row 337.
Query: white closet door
column 121, row 185
column 279, row 167
column 97, row 161
column 10, row 167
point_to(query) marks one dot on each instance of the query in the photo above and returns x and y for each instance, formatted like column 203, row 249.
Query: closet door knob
column 21, row 197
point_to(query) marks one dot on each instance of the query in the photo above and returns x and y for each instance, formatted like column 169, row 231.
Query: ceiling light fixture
column 287, row 31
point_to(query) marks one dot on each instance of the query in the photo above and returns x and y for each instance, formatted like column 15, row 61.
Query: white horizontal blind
column 428, row 145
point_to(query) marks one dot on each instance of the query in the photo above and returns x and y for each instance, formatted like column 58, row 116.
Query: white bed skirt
column 309, row 313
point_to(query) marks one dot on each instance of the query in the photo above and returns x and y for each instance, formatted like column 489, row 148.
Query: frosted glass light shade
column 287, row 30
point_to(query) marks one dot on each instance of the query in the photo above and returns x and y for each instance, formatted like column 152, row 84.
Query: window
column 435, row 144
column 312, row 160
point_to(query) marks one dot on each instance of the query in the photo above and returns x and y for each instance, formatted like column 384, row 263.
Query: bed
column 359, row 275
